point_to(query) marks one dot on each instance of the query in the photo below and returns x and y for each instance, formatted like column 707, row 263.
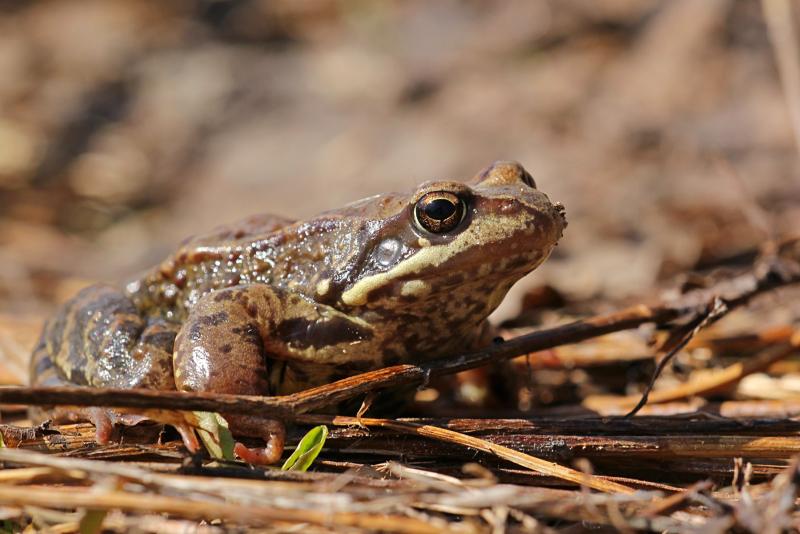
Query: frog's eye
column 527, row 179
column 439, row 212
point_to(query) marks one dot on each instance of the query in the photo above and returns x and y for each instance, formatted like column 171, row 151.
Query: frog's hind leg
column 99, row 339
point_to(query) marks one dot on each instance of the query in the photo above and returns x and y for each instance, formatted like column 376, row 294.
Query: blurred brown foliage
column 126, row 125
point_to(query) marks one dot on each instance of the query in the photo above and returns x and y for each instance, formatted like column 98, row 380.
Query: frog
column 272, row 306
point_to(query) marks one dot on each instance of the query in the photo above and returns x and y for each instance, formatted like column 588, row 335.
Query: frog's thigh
column 98, row 338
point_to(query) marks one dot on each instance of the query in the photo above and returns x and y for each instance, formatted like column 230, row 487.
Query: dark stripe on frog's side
column 302, row 333
column 91, row 321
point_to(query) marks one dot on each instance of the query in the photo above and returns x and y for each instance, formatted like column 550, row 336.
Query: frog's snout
column 547, row 220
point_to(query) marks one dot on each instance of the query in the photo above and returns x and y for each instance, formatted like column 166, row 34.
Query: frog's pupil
column 439, row 209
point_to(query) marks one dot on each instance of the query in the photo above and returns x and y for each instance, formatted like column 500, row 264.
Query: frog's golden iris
column 439, row 212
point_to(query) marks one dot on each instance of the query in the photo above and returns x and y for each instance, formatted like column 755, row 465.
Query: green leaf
column 213, row 431
column 92, row 521
column 307, row 450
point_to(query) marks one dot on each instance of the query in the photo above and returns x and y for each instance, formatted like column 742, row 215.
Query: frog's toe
column 272, row 431
column 188, row 436
column 261, row 456
column 103, row 425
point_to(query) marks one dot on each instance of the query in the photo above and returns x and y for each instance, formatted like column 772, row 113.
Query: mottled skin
column 269, row 306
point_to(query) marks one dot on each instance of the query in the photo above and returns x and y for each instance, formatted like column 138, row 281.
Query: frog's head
column 449, row 246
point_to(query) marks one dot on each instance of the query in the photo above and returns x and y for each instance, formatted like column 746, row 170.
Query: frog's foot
column 103, row 424
column 272, row 431
column 103, row 419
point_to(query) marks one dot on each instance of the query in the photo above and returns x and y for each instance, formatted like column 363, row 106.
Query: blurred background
column 127, row 125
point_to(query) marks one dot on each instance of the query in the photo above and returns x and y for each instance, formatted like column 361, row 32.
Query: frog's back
column 229, row 255
column 250, row 228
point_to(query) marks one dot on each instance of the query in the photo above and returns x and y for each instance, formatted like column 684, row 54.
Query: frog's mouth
column 489, row 265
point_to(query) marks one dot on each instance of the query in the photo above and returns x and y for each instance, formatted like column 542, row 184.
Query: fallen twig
column 676, row 342
column 676, row 500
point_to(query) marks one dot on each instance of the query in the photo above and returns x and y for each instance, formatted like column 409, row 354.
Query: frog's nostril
column 562, row 212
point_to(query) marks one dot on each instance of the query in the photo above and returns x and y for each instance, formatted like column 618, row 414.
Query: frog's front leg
column 237, row 340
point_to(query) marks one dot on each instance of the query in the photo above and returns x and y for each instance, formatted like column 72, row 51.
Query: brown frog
column 269, row 306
